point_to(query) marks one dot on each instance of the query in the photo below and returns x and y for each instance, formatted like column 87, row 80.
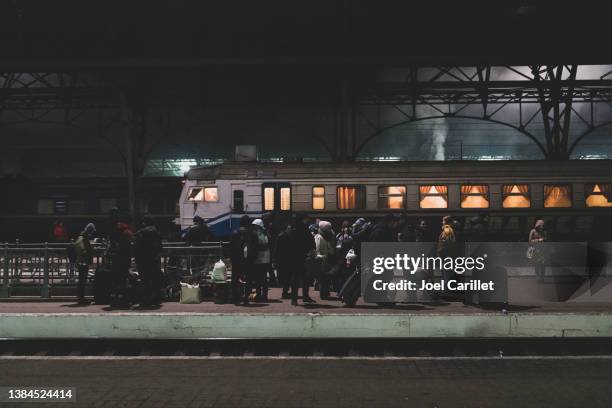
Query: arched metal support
column 585, row 134
column 517, row 128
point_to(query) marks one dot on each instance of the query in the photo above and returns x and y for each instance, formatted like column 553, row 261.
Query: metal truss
column 539, row 96
column 38, row 97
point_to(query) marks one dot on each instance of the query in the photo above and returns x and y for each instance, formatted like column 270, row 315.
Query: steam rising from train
column 440, row 131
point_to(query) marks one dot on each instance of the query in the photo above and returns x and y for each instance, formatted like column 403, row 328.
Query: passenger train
column 507, row 190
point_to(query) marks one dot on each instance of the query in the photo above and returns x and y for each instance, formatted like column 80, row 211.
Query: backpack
column 71, row 252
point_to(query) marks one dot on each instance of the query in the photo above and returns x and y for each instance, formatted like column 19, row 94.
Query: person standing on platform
column 536, row 236
column 301, row 244
column 326, row 252
column 119, row 255
column 84, row 259
column 241, row 287
column 147, row 253
column 59, row 232
column 282, row 259
column 258, row 253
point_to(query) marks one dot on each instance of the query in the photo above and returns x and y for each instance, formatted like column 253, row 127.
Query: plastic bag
column 219, row 273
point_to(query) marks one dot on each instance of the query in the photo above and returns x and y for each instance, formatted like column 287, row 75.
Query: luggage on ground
column 102, row 285
column 190, row 294
column 351, row 290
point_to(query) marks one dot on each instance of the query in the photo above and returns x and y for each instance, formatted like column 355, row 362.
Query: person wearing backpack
column 84, row 258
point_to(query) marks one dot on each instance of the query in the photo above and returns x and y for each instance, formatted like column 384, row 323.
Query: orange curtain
column 346, row 198
column 424, row 190
column 522, row 188
column 475, row 189
column 556, row 192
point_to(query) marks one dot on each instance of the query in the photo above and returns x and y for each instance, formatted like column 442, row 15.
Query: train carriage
column 510, row 191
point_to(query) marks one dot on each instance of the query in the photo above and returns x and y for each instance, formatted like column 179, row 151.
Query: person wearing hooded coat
column 259, row 257
column 147, row 253
column 240, row 266
column 84, row 258
column 325, row 244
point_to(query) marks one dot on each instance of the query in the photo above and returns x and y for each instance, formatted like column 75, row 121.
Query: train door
column 238, row 206
column 276, row 197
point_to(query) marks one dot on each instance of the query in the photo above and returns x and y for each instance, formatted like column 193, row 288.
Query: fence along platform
column 39, row 267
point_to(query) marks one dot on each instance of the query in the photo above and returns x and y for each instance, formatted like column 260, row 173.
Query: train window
column 351, row 197
column 516, row 196
column 285, row 198
column 195, row 194
column 598, row 195
column 207, row 194
column 391, row 197
column 433, row 196
column 211, row 194
column 268, row 198
column 318, row 198
column 557, row 196
column 475, row 196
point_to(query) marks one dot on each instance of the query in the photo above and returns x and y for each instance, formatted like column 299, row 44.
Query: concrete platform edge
column 220, row 325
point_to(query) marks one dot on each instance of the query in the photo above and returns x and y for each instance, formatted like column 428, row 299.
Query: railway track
column 309, row 348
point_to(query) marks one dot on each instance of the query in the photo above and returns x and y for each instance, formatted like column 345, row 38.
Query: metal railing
column 44, row 265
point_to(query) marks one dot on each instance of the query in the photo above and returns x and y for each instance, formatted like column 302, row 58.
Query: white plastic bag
column 350, row 255
column 219, row 273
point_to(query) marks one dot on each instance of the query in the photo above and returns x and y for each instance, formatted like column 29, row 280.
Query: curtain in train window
column 598, row 195
column 351, row 197
column 516, row 196
column 391, row 197
column 557, row 196
column 475, row 196
column 433, row 196
column 318, row 198
column 285, row 198
column 269, row 199
column 211, row 194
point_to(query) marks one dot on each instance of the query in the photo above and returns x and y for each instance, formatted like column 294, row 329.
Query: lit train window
column 598, row 195
column 268, row 198
column 318, row 198
column 351, row 197
column 433, row 196
column 557, row 196
column 391, row 197
column 475, row 196
column 208, row 194
column 516, row 196
column 285, row 198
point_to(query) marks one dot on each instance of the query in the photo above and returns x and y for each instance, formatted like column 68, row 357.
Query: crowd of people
column 296, row 253
column 301, row 253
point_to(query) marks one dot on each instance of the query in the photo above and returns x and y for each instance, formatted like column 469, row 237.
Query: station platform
column 63, row 318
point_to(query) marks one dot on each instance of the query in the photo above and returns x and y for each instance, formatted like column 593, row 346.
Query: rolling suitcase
column 101, row 286
column 351, row 290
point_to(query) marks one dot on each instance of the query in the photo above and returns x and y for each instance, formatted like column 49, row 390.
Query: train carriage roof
column 508, row 168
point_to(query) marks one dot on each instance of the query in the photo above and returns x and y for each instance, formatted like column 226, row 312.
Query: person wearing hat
column 84, row 258
column 258, row 255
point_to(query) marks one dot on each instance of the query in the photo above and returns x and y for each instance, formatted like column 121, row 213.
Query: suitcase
column 351, row 289
column 101, row 286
